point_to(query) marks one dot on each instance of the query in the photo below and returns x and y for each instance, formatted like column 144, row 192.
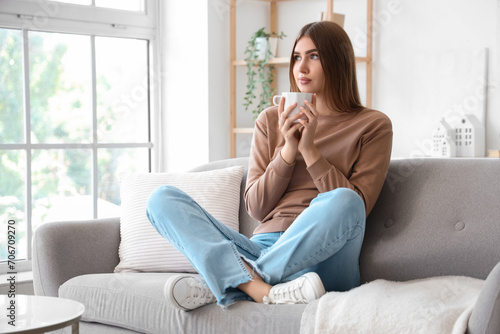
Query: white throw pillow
column 142, row 248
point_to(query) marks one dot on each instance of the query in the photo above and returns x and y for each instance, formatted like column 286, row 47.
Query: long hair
column 339, row 65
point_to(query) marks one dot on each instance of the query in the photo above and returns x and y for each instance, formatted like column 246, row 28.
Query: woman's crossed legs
column 326, row 239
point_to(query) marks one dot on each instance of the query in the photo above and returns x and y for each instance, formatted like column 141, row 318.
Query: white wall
column 218, row 74
column 429, row 63
column 185, row 95
column 426, row 60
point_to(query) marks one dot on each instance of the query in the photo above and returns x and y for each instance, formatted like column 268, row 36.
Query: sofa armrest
column 485, row 317
column 63, row 250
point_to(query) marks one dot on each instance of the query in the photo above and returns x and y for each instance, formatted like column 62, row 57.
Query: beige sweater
column 356, row 149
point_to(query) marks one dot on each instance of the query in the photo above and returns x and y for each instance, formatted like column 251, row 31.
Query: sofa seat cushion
column 135, row 301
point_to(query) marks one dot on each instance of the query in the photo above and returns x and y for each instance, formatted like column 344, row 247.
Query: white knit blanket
column 435, row 305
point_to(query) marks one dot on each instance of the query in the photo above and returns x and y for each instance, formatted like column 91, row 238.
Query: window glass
column 11, row 87
column 12, row 203
column 122, row 90
column 112, row 163
column 61, row 185
column 60, row 88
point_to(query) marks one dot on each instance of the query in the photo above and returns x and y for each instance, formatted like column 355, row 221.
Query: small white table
column 38, row 314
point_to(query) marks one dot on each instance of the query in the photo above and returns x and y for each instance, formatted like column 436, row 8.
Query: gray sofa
column 434, row 217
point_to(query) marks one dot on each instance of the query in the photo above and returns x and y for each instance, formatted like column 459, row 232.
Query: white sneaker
column 187, row 292
column 301, row 290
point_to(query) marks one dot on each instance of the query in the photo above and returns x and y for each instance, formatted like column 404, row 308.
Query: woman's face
column 307, row 69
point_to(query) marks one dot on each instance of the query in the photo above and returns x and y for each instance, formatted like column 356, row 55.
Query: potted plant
column 259, row 72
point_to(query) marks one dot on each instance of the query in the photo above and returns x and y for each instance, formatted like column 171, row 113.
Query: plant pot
column 261, row 45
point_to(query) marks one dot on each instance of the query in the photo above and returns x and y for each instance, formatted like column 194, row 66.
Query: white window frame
column 53, row 16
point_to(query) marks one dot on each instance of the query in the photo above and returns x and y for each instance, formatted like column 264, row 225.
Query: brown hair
column 339, row 64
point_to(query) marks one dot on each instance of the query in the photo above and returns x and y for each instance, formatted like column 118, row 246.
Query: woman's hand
column 306, row 144
column 289, row 130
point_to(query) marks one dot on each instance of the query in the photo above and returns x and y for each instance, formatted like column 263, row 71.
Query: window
column 77, row 100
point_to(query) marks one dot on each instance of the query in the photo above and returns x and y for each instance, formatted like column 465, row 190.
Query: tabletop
column 36, row 314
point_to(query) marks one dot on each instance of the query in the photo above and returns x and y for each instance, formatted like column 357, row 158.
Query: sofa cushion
column 142, row 248
column 135, row 301
column 247, row 223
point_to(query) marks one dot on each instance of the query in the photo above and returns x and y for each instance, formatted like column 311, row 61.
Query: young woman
column 310, row 183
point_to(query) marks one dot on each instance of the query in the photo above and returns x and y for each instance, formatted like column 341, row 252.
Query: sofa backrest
column 433, row 217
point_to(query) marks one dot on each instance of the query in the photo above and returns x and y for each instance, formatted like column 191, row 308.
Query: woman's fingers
column 281, row 107
column 283, row 115
column 312, row 106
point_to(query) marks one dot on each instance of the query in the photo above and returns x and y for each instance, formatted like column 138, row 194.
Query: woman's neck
column 323, row 108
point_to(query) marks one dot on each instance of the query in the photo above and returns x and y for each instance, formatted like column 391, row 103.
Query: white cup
column 291, row 98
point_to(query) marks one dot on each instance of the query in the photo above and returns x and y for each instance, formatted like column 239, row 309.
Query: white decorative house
column 443, row 144
column 469, row 137
column 464, row 137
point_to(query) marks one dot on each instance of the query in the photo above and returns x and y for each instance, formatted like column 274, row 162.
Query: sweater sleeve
column 368, row 172
column 268, row 174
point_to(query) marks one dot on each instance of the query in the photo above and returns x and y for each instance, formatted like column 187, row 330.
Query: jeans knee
column 163, row 196
column 345, row 205
column 345, row 199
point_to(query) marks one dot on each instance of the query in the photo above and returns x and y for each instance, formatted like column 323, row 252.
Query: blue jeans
column 325, row 238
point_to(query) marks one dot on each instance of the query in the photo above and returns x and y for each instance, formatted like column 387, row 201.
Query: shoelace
column 288, row 293
column 200, row 293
